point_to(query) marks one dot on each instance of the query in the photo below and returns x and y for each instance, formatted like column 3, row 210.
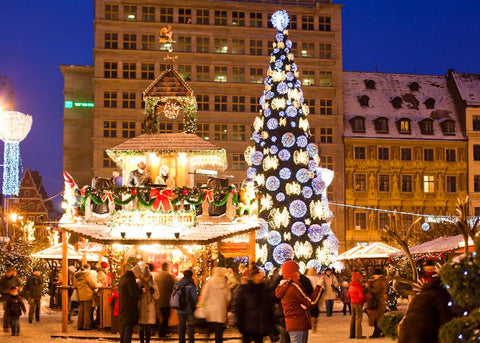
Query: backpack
column 178, row 299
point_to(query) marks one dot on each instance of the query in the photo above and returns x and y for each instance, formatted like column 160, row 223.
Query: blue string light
column 11, row 180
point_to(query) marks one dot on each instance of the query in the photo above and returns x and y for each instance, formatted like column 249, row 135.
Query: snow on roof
column 440, row 244
column 390, row 86
column 469, row 87
column 55, row 253
column 373, row 250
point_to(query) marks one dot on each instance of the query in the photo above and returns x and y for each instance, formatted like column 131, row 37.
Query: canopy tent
column 372, row 251
column 440, row 244
column 55, row 253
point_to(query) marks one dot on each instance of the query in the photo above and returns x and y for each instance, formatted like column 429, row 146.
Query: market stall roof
column 440, row 244
column 371, row 251
column 55, row 253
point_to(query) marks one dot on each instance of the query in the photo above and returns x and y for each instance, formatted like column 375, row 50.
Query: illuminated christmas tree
column 285, row 165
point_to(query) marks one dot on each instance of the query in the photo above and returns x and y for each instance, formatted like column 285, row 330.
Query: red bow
column 162, row 198
column 185, row 192
column 208, row 195
column 107, row 195
column 134, row 191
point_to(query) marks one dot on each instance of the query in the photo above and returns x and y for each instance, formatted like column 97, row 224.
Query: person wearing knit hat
column 330, row 284
column 296, row 302
column 357, row 298
column 377, row 289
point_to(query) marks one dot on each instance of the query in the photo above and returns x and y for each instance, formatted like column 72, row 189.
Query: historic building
column 405, row 149
column 221, row 48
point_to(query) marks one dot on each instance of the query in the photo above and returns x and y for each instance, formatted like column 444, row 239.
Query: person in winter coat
column 14, row 308
column 103, row 276
column 34, row 289
column 296, row 303
column 9, row 280
column 345, row 299
column 215, row 298
column 315, row 280
column 113, row 301
column 357, row 298
column 426, row 313
column 86, row 285
column 187, row 312
column 330, row 283
column 128, row 294
column 146, row 305
column 165, row 281
column 253, row 309
column 377, row 289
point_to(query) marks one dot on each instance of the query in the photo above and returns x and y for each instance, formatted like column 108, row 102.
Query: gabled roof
column 169, row 83
column 469, row 87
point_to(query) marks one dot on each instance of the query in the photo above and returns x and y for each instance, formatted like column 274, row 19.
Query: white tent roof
column 55, row 253
column 440, row 244
column 373, row 250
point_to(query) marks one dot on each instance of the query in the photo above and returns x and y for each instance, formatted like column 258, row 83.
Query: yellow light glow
column 248, row 154
column 303, row 124
column 287, row 67
column 300, row 157
column 303, row 250
column 278, row 103
column 305, row 109
column 308, row 221
column 316, row 210
column 279, row 218
column 210, row 160
column 293, row 188
column 283, row 121
column 294, row 93
column 287, row 236
column 261, row 252
column 260, row 178
column 270, row 162
column 278, row 76
column 13, row 217
column 264, row 135
column 266, row 202
column 281, row 45
column 317, row 158
column 290, row 56
column 258, row 123
column 272, row 58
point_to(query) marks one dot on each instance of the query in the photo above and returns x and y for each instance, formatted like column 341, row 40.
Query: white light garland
column 279, row 218
column 300, row 157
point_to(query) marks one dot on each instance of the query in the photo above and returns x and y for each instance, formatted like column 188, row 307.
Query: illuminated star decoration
column 280, row 20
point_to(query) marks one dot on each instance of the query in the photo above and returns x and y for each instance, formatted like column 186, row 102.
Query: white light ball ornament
column 280, row 20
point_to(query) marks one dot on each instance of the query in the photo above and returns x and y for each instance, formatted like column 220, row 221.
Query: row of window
column 404, row 126
column 383, row 220
column 383, row 154
column 221, row 45
column 397, row 102
column 203, row 16
column 221, row 73
column 384, row 183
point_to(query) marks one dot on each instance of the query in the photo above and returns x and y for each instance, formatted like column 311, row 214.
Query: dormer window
column 358, row 124
column 426, row 127
column 404, row 126
column 396, row 102
column 364, row 101
column 430, row 103
column 370, row 84
column 448, row 127
column 414, row 87
column 381, row 125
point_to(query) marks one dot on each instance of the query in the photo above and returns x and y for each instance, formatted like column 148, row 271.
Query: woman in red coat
column 357, row 298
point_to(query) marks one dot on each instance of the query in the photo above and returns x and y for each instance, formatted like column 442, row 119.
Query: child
column 345, row 299
column 14, row 308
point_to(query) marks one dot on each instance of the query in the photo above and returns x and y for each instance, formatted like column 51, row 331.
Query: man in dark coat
column 426, row 313
column 377, row 289
column 34, row 289
column 9, row 280
column 165, row 281
column 128, row 292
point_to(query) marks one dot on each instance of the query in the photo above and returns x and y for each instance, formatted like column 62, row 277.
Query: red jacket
column 355, row 293
column 114, row 298
column 296, row 304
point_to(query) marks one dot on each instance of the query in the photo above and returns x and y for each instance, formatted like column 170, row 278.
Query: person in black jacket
column 13, row 309
column 34, row 289
column 9, row 280
column 129, row 293
column 253, row 309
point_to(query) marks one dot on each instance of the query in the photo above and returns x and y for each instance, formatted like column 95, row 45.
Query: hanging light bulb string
column 381, row 210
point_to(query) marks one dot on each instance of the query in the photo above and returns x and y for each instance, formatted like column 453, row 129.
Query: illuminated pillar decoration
column 285, row 165
column 14, row 127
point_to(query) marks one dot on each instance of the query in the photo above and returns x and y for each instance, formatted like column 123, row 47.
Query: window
column 325, row 50
column 202, row 73
column 110, row 70
column 364, row 100
column 256, row 75
column 238, row 18
column 255, row 106
column 369, row 84
column 476, row 211
column 307, row 22
column 404, row 126
column 107, row 161
column 203, row 130
column 220, row 74
column 129, row 70
column 476, row 123
column 166, row 14
column 383, row 220
column 128, row 100
column 238, row 74
column 128, row 129
column 430, row 103
column 109, row 128
column 450, row 155
column 220, row 17
column 165, row 127
column 448, row 128
column 360, row 221
column 397, row 102
column 324, row 23
column 111, row 40
column 359, row 152
column 414, row 86
column 326, row 106
column 203, row 17
column 220, row 103
column 110, row 99
column 148, row 71
column 311, row 105
column 325, row 79
column 184, row 44
column 148, row 13
column 220, row 46
column 476, row 183
column 203, row 44
column 148, row 42
column 111, row 12
column 426, row 127
column 326, row 135
column 308, row 49
column 293, row 22
column 238, row 162
column 383, row 183
column 326, row 161
column 185, row 71
column 308, row 77
column 220, row 132
column 407, row 183
column 238, row 103
column 358, row 125
column 383, row 153
column 360, row 182
column 313, row 138
column 129, row 41
column 256, row 47
column 255, row 19
column 180, row 127
column 406, row 154
column 476, row 152
column 238, row 132
column 451, row 184
column 428, row 155
column 238, row 46
column 381, row 125
column 130, row 12
column 184, row 15
column 428, row 183
column 203, row 102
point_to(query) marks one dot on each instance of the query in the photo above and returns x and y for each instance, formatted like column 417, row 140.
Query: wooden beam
column 251, row 250
column 64, row 281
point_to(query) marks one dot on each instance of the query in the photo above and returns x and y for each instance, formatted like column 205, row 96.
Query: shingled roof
column 169, row 83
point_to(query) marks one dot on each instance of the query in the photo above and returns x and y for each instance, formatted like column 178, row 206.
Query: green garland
column 189, row 108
